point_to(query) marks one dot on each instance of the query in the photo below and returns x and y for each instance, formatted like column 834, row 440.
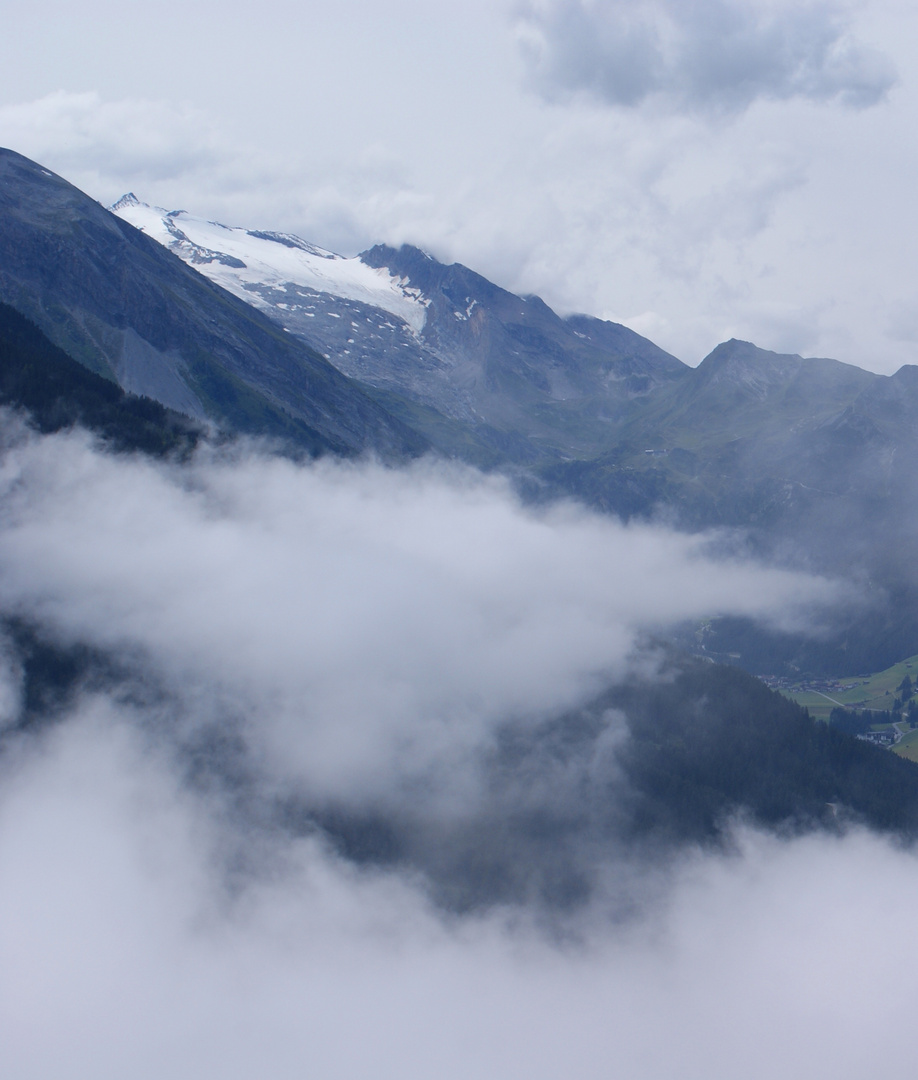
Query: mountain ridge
column 119, row 303
column 441, row 336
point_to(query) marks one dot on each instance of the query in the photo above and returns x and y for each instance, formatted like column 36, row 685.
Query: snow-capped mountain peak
column 257, row 265
column 124, row 202
column 438, row 335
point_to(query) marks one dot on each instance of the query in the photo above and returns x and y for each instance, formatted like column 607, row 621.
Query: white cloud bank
column 369, row 618
column 123, row 955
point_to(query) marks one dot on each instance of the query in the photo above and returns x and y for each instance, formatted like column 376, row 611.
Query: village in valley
column 881, row 708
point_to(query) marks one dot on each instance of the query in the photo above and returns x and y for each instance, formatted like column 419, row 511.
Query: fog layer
column 364, row 623
column 122, row 953
column 362, row 635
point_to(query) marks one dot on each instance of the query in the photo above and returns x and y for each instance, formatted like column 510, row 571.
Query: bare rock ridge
column 517, row 366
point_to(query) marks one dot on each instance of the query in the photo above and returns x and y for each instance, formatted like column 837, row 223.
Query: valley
column 197, row 343
column 873, row 692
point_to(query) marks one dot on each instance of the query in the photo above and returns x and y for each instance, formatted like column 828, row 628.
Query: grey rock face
column 511, row 363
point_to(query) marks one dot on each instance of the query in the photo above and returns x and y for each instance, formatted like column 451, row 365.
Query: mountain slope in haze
column 129, row 310
column 814, row 460
column 775, row 441
column 472, row 360
column 748, row 436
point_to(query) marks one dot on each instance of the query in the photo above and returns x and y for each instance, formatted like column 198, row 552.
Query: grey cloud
column 179, row 155
column 107, row 147
column 902, row 321
column 705, row 55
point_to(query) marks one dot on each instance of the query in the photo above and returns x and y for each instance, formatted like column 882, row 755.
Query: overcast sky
column 698, row 169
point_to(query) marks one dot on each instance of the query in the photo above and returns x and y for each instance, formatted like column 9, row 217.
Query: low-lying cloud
column 709, row 55
column 375, row 621
column 360, row 635
column 122, row 954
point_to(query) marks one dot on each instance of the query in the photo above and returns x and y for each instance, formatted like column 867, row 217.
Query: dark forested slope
column 57, row 393
column 649, row 766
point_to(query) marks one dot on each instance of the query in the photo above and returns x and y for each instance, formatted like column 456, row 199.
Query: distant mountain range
column 748, row 437
column 395, row 353
column 812, row 457
column 499, row 371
